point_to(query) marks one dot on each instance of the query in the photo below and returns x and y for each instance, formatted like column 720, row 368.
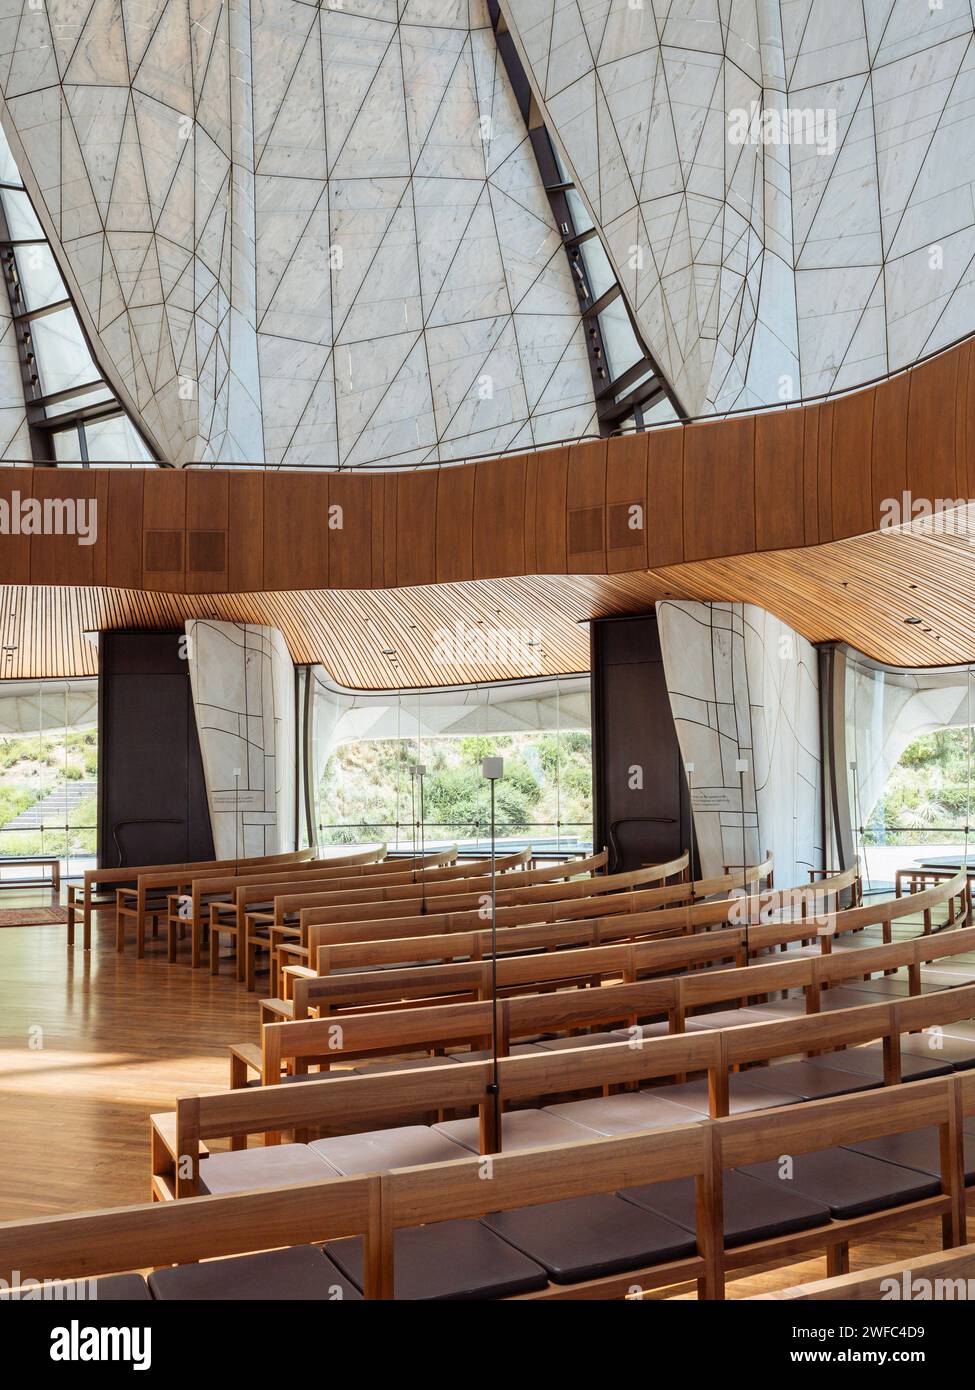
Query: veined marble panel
column 771, row 268
column 300, row 233
column 242, row 679
column 744, row 690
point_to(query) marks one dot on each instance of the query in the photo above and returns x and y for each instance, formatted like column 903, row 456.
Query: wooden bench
column 99, row 886
column 223, row 905
column 455, row 1190
column 379, row 1205
column 347, row 973
column 297, row 1044
column 224, row 910
column 266, row 929
column 155, row 891
column 607, row 894
column 50, row 862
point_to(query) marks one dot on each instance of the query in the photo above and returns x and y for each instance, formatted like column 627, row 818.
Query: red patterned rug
column 32, row 916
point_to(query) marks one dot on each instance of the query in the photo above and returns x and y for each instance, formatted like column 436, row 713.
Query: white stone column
column 242, row 678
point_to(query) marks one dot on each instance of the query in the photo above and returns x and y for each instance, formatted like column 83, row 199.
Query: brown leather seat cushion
column 379, row 1150
column 302, row 1272
column 110, row 1288
column 840, row 997
column 919, row 1149
column 728, row 1018
column 275, row 1165
column 752, row 1210
column 450, row 1259
column 868, row 1060
column 624, row 1113
column 521, row 1129
column 743, row 1094
column 588, row 1237
column 935, row 1043
column 810, row 1081
column 850, row 1184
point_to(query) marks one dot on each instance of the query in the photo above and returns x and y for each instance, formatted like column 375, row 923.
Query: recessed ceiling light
column 912, row 620
column 389, row 651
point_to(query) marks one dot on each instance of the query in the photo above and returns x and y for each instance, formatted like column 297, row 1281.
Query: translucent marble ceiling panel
column 300, row 233
column 762, row 268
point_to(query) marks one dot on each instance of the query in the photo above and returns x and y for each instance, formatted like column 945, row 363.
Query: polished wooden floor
column 90, row 1046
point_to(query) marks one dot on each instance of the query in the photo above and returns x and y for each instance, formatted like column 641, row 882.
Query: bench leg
column 86, row 927
column 119, row 931
column 195, row 946
column 214, row 950
column 838, row 1259
column 250, row 968
column 70, row 924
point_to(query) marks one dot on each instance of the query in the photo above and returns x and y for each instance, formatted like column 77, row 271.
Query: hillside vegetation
column 547, row 781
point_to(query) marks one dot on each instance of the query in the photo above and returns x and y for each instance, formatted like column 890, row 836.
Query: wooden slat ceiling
column 860, row 590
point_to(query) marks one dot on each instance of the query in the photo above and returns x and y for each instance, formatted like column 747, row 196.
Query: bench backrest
column 350, row 1103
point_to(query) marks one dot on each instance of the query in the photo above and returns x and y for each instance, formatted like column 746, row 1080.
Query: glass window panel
column 366, row 791
column 49, row 771
column 21, row 222
column 581, row 221
column 39, row 277
column 619, row 340
column 63, row 359
column 96, row 396
column 67, row 446
column 663, row 413
column 599, row 272
column 9, row 173
column 115, row 441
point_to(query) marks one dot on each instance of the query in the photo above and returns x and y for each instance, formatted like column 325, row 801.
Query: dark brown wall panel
column 349, row 522
column 931, row 430
column 164, row 513
column 246, row 545
column 665, row 497
column 889, row 457
column 626, row 488
column 851, row 466
column 416, row 527
column 812, row 419
column 586, row 508
column 778, row 480
column 455, row 524
column 719, row 489
column 499, row 517
column 15, row 484
column 550, row 500
column 208, row 527
column 61, row 559
column 295, row 530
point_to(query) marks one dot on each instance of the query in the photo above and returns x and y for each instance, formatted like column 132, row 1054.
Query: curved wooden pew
column 99, row 886
column 609, row 893
column 265, row 930
column 390, row 1032
column 430, row 1193
column 159, row 892
column 346, row 973
column 701, row 1154
column 225, row 910
column 192, row 907
column 625, row 917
